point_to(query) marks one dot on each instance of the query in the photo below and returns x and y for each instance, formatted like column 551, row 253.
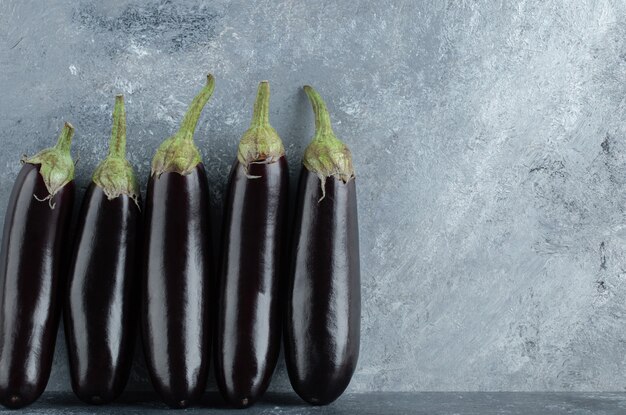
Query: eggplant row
column 322, row 304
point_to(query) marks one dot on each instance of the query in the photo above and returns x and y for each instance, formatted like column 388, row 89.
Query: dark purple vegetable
column 35, row 233
column 101, row 302
column 323, row 295
column 176, row 327
column 248, row 321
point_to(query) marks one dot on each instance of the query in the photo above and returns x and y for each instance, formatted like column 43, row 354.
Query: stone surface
column 422, row 403
column 489, row 145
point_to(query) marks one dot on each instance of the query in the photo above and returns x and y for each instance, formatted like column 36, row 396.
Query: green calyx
column 115, row 175
column 326, row 155
column 260, row 143
column 179, row 153
column 56, row 164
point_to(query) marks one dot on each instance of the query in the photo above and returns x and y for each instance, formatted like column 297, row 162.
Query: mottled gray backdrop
column 489, row 144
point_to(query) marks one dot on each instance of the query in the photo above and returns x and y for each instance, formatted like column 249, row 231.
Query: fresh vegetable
column 101, row 301
column 323, row 295
column 248, row 321
column 175, row 317
column 35, row 233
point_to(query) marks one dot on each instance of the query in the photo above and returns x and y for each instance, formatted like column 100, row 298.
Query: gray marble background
column 488, row 138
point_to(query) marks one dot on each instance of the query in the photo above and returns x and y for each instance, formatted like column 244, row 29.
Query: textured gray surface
column 423, row 403
column 488, row 139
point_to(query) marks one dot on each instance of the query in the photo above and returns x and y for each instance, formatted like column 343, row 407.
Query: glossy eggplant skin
column 249, row 316
column 322, row 325
column 30, row 275
column 176, row 286
column 102, row 303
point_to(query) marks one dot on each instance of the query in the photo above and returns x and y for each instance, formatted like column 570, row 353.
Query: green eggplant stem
column 178, row 153
column 189, row 123
column 326, row 155
column 114, row 174
column 260, row 143
column 322, row 118
column 64, row 142
column 261, row 115
column 117, row 143
column 55, row 164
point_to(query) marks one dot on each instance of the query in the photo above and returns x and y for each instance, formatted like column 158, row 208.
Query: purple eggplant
column 101, row 304
column 322, row 326
column 35, row 234
column 177, row 280
column 248, row 318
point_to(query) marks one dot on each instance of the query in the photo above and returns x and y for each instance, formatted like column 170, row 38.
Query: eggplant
column 31, row 258
column 177, row 278
column 322, row 326
column 101, row 303
column 248, row 319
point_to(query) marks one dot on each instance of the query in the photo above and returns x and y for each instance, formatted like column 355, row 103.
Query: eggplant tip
column 14, row 400
column 96, row 400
